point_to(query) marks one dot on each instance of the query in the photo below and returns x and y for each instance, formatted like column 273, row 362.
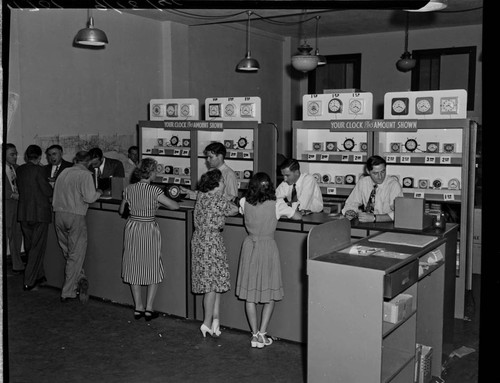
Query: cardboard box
column 409, row 213
column 398, row 308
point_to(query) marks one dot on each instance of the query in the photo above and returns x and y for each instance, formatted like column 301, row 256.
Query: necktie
column 294, row 194
column 371, row 201
column 56, row 170
column 13, row 178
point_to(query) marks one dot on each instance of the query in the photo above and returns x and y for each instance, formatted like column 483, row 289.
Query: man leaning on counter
column 372, row 199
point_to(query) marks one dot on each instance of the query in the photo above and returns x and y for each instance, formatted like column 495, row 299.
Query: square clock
column 448, row 105
column 214, row 110
column 424, row 105
column 399, row 106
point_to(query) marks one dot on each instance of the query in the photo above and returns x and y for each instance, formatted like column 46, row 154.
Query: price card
column 246, row 154
column 161, row 151
column 331, row 190
column 233, row 154
column 345, row 157
column 390, row 159
column 311, row 156
column 239, row 185
column 449, row 197
column 187, row 181
column 177, row 180
column 185, row 152
column 358, row 158
column 177, row 152
column 445, row 160
column 430, row 159
column 325, row 157
column 418, row 195
column 405, row 159
column 164, row 180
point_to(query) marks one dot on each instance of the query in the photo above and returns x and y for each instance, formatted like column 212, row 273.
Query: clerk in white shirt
column 309, row 198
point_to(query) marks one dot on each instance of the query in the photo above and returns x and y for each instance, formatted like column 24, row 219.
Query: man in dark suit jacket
column 56, row 163
column 35, row 213
column 104, row 168
column 13, row 231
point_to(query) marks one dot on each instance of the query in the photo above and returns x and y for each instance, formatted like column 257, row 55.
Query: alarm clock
column 339, row 179
column 214, row 110
column 335, row 105
column 395, row 147
column 228, row 144
column 449, row 148
column 331, row 146
column 247, row 110
column 185, row 110
column 317, row 177
column 348, row 144
column 454, row 184
column 169, row 169
column 408, row 182
column 157, row 110
column 424, row 105
column 350, row 179
column 173, row 192
column 172, row 110
column 448, row 105
column 432, row 147
column 363, row 146
column 177, row 171
column 399, row 106
column 174, row 140
column 355, row 106
column 230, row 110
column 239, row 174
column 247, row 174
column 318, row 146
column 187, row 171
column 411, row 145
column 437, row 183
column 423, row 183
column 242, row 142
column 186, row 142
column 160, row 141
column 159, row 168
column 314, row 108
column 326, row 178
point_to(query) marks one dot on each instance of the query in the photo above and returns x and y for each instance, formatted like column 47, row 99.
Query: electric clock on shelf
column 314, row 108
column 331, row 146
column 230, row 110
column 157, row 110
column 172, row 110
column 317, row 177
column 432, row 147
column 448, row 105
column 411, row 144
column 395, row 147
column 335, row 105
column 424, row 105
column 228, row 144
column 247, row 174
column 355, row 106
column 449, row 147
column 437, row 183
column 348, row 144
column 363, row 146
column 242, row 142
column 423, row 183
column 159, row 168
column 454, row 184
column 408, row 182
column 350, row 179
column 174, row 140
column 160, row 141
column 317, row 146
column 187, row 171
column 214, row 110
column 339, row 179
column 185, row 110
column 186, row 142
column 169, row 169
column 400, row 106
column 326, row 178
column 246, row 110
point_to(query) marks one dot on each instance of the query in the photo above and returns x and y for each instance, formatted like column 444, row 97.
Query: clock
column 331, row 146
column 326, row 178
column 454, row 184
column 363, row 146
column 407, row 182
column 228, row 144
column 335, row 105
column 432, row 147
column 246, row 110
column 160, row 141
column 411, row 144
column 173, row 192
column 159, row 168
column 174, row 140
column 214, row 110
column 172, row 110
column 186, row 142
column 314, row 108
column 348, row 144
column 185, row 110
column 355, row 106
column 230, row 110
column 187, row 171
column 317, row 177
column 350, row 179
column 317, row 146
column 399, row 106
column 339, row 179
column 242, row 142
column 157, row 110
column 169, row 169
column 437, row 183
column 449, row 105
column 423, row 183
column 247, row 174
column 423, row 105
column 177, row 171
column 395, row 147
column 449, row 148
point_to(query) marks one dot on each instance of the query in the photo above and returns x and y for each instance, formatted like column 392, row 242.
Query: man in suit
column 56, row 163
column 104, row 168
column 35, row 213
column 13, row 231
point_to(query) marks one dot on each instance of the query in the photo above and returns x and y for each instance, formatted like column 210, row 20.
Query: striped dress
column 142, row 263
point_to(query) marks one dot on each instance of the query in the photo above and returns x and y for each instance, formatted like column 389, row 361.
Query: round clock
column 246, row 110
column 160, row 141
column 349, row 179
column 326, row 178
column 229, row 109
column 423, row 105
column 317, row 146
column 355, row 106
column 185, row 110
column 395, row 147
column 411, row 144
column 228, row 144
column 173, row 192
column 174, row 140
column 437, row 183
column 454, row 184
column 186, row 143
column 313, row 108
column 448, row 105
column 330, row 146
column 247, row 174
column 363, row 147
column 432, row 147
column 423, row 184
column 171, row 112
column 159, row 168
column 242, row 142
column 408, row 182
column 398, row 106
column 187, row 171
column 213, row 110
column 339, row 179
column 348, row 144
column 169, row 169
column 449, row 148
column 317, row 177
column 335, row 106
column 156, row 110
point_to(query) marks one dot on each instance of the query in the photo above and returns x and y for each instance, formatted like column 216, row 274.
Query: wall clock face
column 186, row 142
column 230, row 110
column 399, row 106
column 408, row 182
column 228, row 144
column 363, row 146
column 247, row 174
column 355, row 106
column 339, row 179
column 174, row 140
column 242, row 142
column 449, row 105
column 449, row 148
column 326, row 178
column 185, row 110
column 187, row 171
column 169, row 169
column 172, row 110
column 246, row 110
column 432, row 147
column 423, row 105
column 348, row 144
column 395, row 147
column 411, row 144
column 349, row 179
column 454, row 184
column 423, row 184
column 156, row 110
column 437, row 183
column 335, row 106
column 214, row 110
column 331, row 146
column 314, row 108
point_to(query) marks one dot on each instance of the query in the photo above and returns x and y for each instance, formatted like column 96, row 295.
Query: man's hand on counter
column 351, row 214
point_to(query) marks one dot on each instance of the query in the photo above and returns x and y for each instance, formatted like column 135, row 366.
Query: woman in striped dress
column 142, row 264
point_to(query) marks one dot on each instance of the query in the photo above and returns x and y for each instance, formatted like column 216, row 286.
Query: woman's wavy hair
column 260, row 189
column 209, row 180
column 144, row 170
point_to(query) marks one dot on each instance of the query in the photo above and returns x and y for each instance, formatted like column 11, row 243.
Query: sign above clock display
column 174, row 109
column 233, row 109
column 429, row 104
column 337, row 106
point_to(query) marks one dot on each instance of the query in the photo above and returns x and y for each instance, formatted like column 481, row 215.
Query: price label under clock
column 405, row 159
column 177, row 152
column 445, row 160
column 449, row 197
column 418, row 195
column 311, row 156
column 324, row 157
column 358, row 158
column 345, row 158
column 233, row 155
column 430, row 159
column 331, row 190
column 390, row 159
column 177, row 180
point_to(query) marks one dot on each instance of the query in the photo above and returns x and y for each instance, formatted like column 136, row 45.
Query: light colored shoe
column 264, row 340
column 204, row 329
column 255, row 341
column 215, row 328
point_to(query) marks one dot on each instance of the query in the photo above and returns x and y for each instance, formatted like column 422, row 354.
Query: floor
column 50, row 341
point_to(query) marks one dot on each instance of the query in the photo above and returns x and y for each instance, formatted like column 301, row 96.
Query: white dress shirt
column 308, row 193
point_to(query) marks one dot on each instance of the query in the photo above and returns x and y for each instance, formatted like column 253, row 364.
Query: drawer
column 400, row 279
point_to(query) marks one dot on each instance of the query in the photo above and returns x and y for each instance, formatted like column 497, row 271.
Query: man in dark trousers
column 56, row 162
column 35, row 213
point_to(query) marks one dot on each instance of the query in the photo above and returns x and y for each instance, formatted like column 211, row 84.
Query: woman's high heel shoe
column 215, row 328
column 204, row 329
column 262, row 340
column 255, row 341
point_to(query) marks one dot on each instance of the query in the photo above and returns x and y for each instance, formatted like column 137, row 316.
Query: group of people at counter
column 67, row 190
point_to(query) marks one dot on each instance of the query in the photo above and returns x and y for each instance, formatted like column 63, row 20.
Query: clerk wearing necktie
column 372, row 199
column 300, row 190
column 56, row 163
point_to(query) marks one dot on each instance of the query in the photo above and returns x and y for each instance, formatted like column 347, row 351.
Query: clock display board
column 174, row 109
column 337, row 106
column 233, row 108
column 428, row 104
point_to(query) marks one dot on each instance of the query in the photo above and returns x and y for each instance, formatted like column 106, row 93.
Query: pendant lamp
column 321, row 59
column 248, row 64
column 91, row 35
column 406, row 62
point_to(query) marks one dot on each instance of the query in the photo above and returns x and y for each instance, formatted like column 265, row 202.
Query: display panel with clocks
column 337, row 106
column 233, row 108
column 428, row 104
column 174, row 109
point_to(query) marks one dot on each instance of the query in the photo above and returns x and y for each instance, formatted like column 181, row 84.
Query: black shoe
column 30, row 288
column 150, row 315
column 83, row 288
column 67, row 299
column 139, row 314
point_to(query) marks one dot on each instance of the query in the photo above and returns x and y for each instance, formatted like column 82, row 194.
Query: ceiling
column 333, row 22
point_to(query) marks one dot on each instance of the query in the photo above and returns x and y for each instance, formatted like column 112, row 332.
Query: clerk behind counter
column 372, row 199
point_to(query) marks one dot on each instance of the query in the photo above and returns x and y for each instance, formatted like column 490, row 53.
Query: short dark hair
column 81, row 156
column 95, row 153
column 209, row 180
column 216, row 148
column 374, row 161
column 290, row 163
column 260, row 189
column 133, row 148
column 33, row 152
column 55, row 146
column 8, row 145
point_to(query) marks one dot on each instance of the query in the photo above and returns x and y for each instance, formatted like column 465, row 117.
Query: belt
column 141, row 219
